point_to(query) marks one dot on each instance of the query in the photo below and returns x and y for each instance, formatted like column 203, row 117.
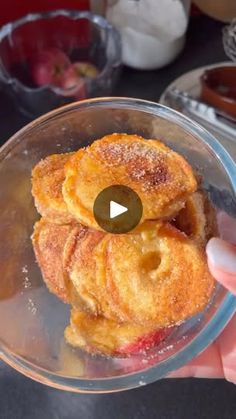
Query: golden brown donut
column 157, row 277
column 47, row 178
column 162, row 178
column 48, row 242
column 99, row 335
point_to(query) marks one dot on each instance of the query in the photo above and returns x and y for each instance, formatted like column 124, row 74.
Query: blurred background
column 180, row 53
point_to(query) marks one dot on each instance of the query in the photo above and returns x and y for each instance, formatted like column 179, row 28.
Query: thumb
column 222, row 262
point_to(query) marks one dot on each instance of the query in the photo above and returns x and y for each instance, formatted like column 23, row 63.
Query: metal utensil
column 229, row 40
column 202, row 112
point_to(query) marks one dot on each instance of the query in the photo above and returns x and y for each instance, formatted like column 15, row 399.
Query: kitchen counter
column 21, row 398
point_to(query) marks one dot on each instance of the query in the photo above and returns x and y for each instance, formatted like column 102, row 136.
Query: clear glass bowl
column 83, row 36
column 32, row 320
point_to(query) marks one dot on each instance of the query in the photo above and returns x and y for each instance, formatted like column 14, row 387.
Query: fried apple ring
column 85, row 262
column 162, row 178
column 47, row 178
column 107, row 308
column 80, row 263
column 48, row 242
column 197, row 219
column 99, row 335
column 157, row 277
column 211, row 229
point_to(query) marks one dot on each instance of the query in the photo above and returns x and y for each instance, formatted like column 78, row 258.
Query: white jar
column 152, row 31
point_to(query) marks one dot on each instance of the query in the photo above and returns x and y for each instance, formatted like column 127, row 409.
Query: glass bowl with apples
column 52, row 58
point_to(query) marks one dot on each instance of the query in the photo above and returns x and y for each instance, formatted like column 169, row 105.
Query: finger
column 206, row 365
column 222, row 262
column 227, row 227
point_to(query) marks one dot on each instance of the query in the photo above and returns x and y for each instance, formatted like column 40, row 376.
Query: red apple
column 48, row 67
column 144, row 343
column 73, row 81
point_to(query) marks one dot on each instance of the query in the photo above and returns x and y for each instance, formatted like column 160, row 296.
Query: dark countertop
column 21, row 398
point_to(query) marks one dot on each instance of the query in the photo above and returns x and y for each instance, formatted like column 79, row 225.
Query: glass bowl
column 33, row 320
column 83, row 36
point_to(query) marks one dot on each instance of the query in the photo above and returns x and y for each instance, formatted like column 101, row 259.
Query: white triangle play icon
column 116, row 209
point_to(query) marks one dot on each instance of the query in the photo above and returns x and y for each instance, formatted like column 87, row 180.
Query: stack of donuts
column 126, row 290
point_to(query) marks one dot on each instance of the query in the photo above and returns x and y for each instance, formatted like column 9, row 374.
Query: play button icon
column 118, row 209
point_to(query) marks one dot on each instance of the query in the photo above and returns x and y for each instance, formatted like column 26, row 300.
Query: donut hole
column 150, row 262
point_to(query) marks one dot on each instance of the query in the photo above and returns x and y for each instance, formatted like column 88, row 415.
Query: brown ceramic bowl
column 219, row 88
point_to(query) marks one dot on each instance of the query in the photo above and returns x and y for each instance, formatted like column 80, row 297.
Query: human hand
column 219, row 359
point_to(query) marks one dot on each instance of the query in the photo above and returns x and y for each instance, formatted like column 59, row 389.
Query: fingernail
column 222, row 255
